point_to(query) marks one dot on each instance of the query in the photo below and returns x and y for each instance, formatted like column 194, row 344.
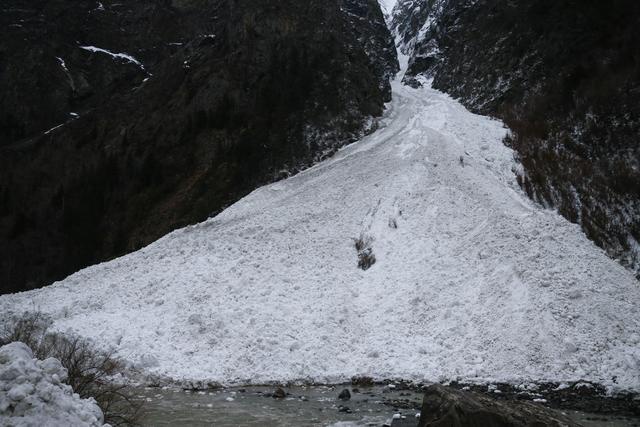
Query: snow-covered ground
column 387, row 5
column 32, row 393
column 472, row 280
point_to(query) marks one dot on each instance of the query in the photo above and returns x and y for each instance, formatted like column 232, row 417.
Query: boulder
column 279, row 393
column 344, row 395
column 443, row 406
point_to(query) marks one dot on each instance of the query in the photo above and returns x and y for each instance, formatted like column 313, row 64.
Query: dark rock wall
column 366, row 18
column 409, row 18
column 229, row 95
column 565, row 77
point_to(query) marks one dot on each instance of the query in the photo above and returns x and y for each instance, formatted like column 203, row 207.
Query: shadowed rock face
column 170, row 110
column 565, row 77
column 366, row 18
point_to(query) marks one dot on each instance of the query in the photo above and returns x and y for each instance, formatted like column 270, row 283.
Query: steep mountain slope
column 120, row 122
column 565, row 77
column 411, row 23
column 471, row 279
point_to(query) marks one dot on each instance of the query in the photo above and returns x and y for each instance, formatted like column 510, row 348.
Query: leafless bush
column 89, row 370
column 366, row 258
column 393, row 223
column 29, row 329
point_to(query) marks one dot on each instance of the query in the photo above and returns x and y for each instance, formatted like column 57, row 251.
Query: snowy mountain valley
column 564, row 76
column 386, row 243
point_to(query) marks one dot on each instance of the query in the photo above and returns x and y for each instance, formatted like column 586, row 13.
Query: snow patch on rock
column 124, row 56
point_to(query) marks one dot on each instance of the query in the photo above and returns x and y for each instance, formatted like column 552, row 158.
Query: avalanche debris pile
column 32, row 392
column 473, row 282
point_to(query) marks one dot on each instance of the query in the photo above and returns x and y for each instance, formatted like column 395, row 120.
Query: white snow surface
column 32, row 394
column 387, row 5
column 473, row 281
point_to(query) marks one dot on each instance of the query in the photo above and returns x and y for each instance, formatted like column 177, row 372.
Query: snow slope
column 472, row 280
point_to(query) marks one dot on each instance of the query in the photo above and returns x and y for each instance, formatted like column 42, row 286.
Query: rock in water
column 444, row 406
column 279, row 393
column 344, row 395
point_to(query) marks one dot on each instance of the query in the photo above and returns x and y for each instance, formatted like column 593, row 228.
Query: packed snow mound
column 471, row 280
column 32, row 392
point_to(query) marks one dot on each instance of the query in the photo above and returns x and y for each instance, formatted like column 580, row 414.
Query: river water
column 303, row 407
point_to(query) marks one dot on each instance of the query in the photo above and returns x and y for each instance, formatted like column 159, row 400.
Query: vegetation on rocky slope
column 565, row 78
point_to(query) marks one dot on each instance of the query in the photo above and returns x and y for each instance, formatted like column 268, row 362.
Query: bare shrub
column 360, row 243
column 393, row 223
column 89, row 370
column 29, row 329
column 366, row 258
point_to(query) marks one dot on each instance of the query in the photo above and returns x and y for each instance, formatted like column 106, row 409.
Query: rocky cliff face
column 411, row 22
column 565, row 77
column 120, row 122
column 370, row 29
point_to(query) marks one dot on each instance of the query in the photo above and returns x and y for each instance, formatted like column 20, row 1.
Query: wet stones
column 279, row 393
column 362, row 381
column 344, row 395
